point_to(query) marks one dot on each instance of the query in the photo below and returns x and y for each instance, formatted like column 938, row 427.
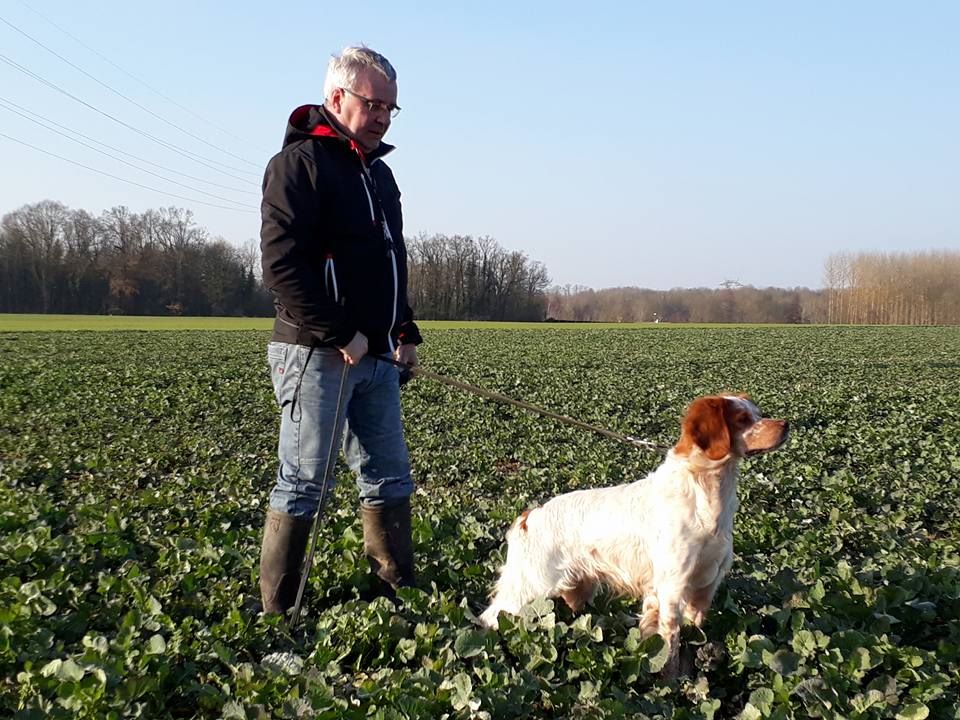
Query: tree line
column 921, row 288
column 867, row 288
column 160, row 262
column 733, row 303
column 54, row 259
column 459, row 277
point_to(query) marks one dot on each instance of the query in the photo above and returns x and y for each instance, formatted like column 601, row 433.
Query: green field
column 135, row 468
column 57, row 323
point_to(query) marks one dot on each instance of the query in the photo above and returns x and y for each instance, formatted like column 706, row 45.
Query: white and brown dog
column 667, row 538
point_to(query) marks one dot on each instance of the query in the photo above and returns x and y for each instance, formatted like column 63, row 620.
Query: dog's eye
column 744, row 419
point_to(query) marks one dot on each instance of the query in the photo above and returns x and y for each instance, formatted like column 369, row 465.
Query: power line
column 125, row 162
column 65, row 129
column 215, row 126
column 170, row 146
column 129, row 182
column 128, row 99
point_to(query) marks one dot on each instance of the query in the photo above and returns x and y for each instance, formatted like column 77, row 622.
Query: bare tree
column 459, row 277
column 919, row 288
column 53, row 259
column 40, row 230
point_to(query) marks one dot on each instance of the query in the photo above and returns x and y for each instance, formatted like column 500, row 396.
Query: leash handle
column 327, row 473
column 491, row 395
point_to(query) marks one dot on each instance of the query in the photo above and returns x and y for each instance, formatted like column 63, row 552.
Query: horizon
column 642, row 147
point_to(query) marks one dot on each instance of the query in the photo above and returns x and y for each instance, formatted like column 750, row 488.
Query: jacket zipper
column 330, row 275
column 393, row 258
column 396, row 288
column 363, row 177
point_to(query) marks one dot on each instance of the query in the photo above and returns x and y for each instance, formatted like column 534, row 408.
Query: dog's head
column 728, row 426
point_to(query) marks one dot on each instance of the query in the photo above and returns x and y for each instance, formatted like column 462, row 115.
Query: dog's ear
column 705, row 426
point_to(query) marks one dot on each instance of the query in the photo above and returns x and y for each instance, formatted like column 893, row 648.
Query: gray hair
column 343, row 69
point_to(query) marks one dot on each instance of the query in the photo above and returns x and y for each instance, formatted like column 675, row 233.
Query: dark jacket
column 332, row 240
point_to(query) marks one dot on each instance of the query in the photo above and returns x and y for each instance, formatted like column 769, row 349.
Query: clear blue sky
column 657, row 145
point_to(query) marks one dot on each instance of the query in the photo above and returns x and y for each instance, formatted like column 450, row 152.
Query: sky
column 657, row 145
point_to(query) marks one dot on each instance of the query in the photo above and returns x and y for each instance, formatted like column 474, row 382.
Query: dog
column 667, row 538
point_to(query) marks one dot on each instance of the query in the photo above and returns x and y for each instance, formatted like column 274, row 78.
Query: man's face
column 364, row 125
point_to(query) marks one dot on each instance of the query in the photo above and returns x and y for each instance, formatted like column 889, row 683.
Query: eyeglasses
column 374, row 105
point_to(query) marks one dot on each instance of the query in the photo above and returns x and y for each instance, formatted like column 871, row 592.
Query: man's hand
column 406, row 354
column 354, row 351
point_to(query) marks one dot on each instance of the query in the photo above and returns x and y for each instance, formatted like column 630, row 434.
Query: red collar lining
column 327, row 131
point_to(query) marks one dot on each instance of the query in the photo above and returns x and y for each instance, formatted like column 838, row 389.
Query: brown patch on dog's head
column 705, row 427
column 715, row 425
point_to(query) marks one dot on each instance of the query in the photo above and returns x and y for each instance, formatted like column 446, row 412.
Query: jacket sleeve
column 290, row 222
column 409, row 332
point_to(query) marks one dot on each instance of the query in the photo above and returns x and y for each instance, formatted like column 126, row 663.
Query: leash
column 416, row 370
column 327, row 473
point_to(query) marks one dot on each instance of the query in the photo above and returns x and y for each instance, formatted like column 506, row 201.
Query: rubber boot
column 281, row 557
column 388, row 544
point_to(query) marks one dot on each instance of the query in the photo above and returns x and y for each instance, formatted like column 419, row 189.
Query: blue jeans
column 370, row 427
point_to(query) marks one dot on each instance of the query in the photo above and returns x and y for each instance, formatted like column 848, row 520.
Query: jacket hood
column 311, row 121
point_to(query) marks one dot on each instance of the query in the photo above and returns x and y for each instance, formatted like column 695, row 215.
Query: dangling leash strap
column 327, row 475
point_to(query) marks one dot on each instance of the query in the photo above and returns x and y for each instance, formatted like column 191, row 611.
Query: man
column 334, row 258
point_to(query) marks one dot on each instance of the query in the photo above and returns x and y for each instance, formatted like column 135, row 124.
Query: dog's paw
column 488, row 618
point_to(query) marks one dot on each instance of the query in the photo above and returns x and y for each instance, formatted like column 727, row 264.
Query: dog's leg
column 579, row 595
column 524, row 578
column 699, row 604
column 650, row 616
column 701, row 599
column 669, row 630
column 509, row 599
column 509, row 596
column 488, row 618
